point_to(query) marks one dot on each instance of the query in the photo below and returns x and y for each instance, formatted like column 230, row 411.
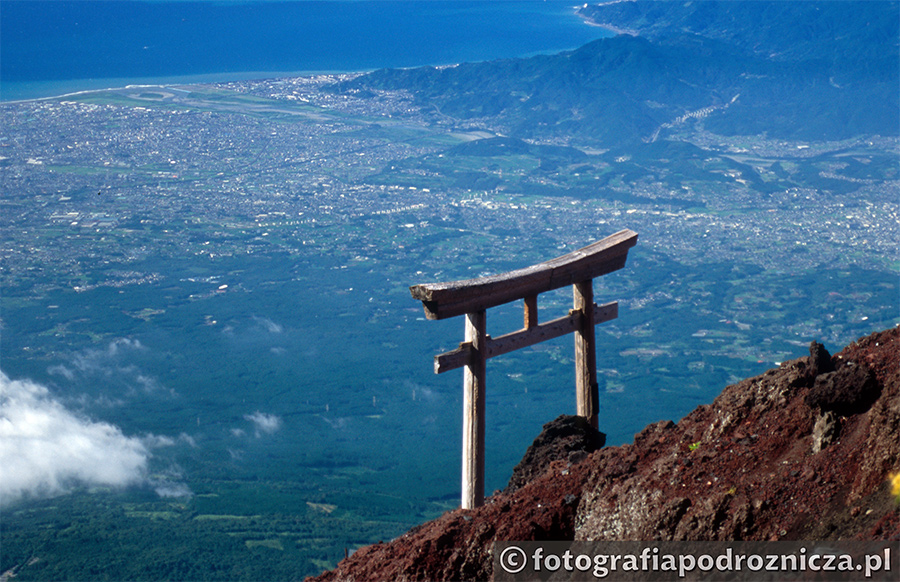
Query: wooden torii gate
column 473, row 297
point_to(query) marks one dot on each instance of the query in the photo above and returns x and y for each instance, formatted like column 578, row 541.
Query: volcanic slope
column 803, row 451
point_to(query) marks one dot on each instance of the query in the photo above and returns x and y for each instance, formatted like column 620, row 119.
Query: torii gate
column 473, row 297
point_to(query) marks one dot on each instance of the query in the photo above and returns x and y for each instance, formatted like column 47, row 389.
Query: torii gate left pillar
column 474, row 376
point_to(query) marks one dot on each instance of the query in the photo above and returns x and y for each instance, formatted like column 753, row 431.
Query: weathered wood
column 453, row 359
column 550, row 330
column 530, row 336
column 531, row 312
column 586, row 389
column 473, row 413
column 474, row 296
column 443, row 300
column 523, row 338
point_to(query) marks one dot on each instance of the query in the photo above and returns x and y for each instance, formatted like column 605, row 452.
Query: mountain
column 804, row 451
column 851, row 35
column 815, row 71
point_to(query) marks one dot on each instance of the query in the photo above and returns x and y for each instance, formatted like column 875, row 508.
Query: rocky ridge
column 804, row 451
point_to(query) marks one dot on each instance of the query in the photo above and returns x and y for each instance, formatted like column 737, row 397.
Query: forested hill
column 855, row 36
column 833, row 75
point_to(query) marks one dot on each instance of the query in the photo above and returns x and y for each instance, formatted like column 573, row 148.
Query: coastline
column 604, row 25
column 70, row 88
column 23, row 91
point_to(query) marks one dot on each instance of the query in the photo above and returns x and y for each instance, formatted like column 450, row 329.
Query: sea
column 49, row 48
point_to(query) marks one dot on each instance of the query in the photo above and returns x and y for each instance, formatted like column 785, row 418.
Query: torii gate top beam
column 443, row 300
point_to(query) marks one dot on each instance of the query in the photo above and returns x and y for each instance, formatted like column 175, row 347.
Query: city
column 281, row 162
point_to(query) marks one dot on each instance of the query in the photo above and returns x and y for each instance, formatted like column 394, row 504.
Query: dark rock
column 670, row 516
column 568, row 438
column 802, row 373
column 850, row 390
column 820, row 359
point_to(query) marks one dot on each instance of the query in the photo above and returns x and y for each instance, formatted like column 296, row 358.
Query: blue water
column 49, row 47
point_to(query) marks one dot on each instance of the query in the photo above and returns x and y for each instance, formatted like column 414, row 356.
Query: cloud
column 337, row 423
column 184, row 437
column 265, row 423
column 63, row 371
column 168, row 483
column 420, row 392
column 98, row 360
column 109, row 367
column 268, row 324
column 154, row 441
column 173, row 490
column 45, row 449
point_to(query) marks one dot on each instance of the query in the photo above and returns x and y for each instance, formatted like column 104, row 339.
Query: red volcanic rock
column 803, row 451
column 746, row 468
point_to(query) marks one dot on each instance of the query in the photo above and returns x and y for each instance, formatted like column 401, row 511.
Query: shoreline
column 604, row 25
column 119, row 84
column 17, row 92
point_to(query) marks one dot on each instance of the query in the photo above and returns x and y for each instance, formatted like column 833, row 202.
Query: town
column 289, row 163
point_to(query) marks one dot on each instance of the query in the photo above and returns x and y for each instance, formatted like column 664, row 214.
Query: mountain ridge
column 620, row 90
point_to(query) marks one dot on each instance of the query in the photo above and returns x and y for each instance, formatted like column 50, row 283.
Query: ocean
column 50, row 48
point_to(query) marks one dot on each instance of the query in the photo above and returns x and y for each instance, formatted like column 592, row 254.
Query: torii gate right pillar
column 587, row 397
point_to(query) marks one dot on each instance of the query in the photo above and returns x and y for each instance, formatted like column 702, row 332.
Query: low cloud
column 110, row 365
column 419, row 392
column 177, row 490
column 45, row 449
column 186, row 438
column 269, row 325
column 100, row 360
column 169, row 483
column 264, row 423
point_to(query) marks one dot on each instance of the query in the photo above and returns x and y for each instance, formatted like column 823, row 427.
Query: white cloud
column 420, row 392
column 268, row 324
column 185, row 437
column 97, row 360
column 154, row 441
column 110, row 366
column 62, row 371
column 173, row 490
column 46, row 448
column 265, row 423
column 168, row 483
